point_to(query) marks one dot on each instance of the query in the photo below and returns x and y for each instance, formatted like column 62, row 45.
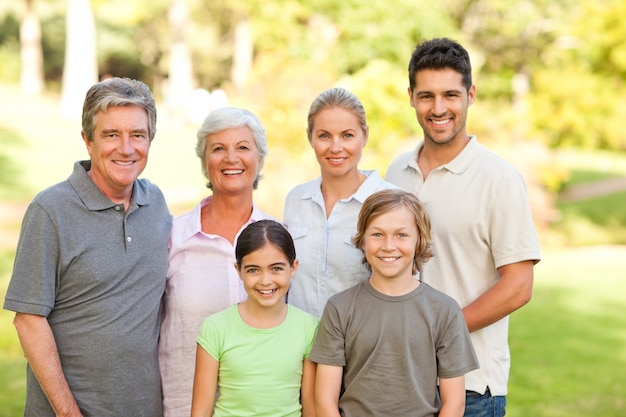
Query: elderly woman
column 201, row 278
column 321, row 215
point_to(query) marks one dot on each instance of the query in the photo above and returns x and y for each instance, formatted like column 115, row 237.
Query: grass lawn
column 568, row 344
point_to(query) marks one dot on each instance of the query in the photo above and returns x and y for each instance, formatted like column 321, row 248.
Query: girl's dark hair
column 257, row 234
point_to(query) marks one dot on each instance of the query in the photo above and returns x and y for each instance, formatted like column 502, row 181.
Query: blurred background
column 551, row 98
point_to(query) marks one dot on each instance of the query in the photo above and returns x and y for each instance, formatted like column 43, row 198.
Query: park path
column 593, row 189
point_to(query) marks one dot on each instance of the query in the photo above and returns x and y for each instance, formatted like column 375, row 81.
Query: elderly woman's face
column 232, row 160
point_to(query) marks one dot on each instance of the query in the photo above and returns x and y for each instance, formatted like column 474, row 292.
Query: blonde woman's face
column 338, row 141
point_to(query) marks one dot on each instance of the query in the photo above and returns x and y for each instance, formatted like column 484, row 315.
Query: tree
column 80, row 70
column 31, row 53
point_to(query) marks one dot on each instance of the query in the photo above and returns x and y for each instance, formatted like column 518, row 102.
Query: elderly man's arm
column 41, row 352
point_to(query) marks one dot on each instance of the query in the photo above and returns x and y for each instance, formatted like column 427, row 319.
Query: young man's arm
column 327, row 389
column 512, row 291
column 452, row 391
column 204, row 384
column 307, row 392
column 41, row 352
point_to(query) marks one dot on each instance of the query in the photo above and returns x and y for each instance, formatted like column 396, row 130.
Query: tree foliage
column 549, row 70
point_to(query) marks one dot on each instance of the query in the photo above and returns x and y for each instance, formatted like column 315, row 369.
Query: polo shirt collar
column 459, row 164
column 91, row 195
column 369, row 186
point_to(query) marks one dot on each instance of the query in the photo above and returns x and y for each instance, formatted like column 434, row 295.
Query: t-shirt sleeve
column 455, row 352
column 513, row 236
column 329, row 346
column 33, row 284
column 311, row 331
column 211, row 338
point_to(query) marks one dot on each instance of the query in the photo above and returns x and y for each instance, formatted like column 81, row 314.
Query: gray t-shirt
column 98, row 274
column 393, row 349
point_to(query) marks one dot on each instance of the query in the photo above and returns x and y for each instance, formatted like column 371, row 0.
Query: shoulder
column 402, row 160
column 304, row 189
column 302, row 316
column 439, row 297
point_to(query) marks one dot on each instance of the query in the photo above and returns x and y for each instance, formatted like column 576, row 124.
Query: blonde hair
column 385, row 201
column 336, row 97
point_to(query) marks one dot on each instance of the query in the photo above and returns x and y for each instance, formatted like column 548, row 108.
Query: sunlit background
column 551, row 98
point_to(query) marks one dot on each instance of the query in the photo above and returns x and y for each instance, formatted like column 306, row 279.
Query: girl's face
column 266, row 275
column 389, row 244
column 338, row 140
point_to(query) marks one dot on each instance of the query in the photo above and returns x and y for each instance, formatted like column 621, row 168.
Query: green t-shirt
column 260, row 371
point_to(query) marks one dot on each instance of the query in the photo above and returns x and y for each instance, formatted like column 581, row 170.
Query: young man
column 383, row 344
column 484, row 238
column 90, row 269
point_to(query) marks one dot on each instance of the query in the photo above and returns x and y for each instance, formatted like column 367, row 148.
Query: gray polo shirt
column 97, row 273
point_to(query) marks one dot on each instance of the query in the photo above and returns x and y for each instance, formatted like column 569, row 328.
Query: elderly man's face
column 119, row 150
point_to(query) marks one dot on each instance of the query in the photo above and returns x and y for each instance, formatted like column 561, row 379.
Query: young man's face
column 441, row 102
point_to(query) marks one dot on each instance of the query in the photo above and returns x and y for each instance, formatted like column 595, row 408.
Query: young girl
column 252, row 358
column 383, row 344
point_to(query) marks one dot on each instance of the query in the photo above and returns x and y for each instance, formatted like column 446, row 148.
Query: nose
column 266, row 279
column 125, row 147
column 440, row 106
column 231, row 155
column 335, row 145
column 389, row 243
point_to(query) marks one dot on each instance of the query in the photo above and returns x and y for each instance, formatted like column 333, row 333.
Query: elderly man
column 90, row 269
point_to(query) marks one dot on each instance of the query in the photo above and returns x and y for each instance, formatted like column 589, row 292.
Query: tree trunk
column 80, row 69
column 180, row 80
column 242, row 57
column 31, row 75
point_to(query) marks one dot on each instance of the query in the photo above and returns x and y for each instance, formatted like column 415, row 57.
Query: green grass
column 582, row 176
column 594, row 221
column 568, row 344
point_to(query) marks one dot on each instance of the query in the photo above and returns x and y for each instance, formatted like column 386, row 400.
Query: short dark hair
column 440, row 53
column 114, row 92
column 258, row 234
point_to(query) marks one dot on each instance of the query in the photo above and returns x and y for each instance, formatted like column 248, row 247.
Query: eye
column 252, row 270
column 217, row 149
column 401, row 234
column 278, row 269
column 377, row 234
column 323, row 136
column 348, row 135
column 243, row 148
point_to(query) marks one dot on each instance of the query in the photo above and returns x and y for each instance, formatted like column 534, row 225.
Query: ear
column 88, row 143
column 471, row 95
column 408, row 90
column 294, row 268
column 366, row 136
column 238, row 271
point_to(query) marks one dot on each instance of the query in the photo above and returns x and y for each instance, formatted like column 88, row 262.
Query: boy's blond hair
column 383, row 202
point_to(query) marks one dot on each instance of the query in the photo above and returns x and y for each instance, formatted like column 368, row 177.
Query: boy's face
column 389, row 244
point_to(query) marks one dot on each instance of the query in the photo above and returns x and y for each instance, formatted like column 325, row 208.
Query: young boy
column 384, row 344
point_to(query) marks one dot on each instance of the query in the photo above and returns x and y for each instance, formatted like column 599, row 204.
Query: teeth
column 266, row 292
column 389, row 259
column 232, row 171
column 336, row 159
column 441, row 122
column 124, row 162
